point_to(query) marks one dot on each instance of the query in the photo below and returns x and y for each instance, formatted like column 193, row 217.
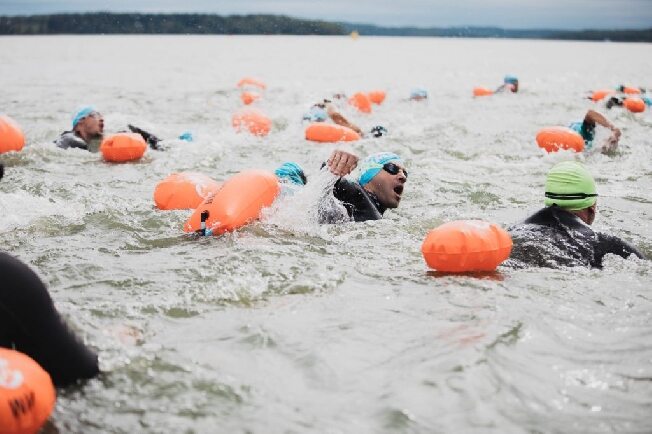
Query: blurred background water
column 288, row 326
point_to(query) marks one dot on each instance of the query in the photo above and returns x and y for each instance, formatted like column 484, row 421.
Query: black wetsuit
column 554, row 237
column 69, row 139
column 29, row 323
column 360, row 204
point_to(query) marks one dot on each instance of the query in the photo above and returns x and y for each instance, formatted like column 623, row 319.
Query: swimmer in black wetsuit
column 29, row 323
column 322, row 111
column 88, row 131
column 379, row 186
column 560, row 235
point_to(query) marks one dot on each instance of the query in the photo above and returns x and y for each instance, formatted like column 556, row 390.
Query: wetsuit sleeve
column 70, row 140
column 357, row 203
column 611, row 244
column 30, row 324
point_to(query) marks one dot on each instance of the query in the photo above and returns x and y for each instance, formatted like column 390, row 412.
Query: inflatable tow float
column 552, row 139
column 11, row 136
column 184, row 190
column 240, row 201
column 122, row 147
column 466, row 246
column 330, row 133
column 251, row 120
column 27, row 394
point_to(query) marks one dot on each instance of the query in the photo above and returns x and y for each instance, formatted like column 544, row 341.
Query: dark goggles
column 393, row 169
column 568, row 196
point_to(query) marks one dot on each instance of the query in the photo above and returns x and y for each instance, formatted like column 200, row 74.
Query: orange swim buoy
column 123, row 147
column 634, row 105
column 239, row 201
column 185, row 190
column 253, row 121
column 600, row 94
column 249, row 81
column 376, row 96
column 552, row 139
column 26, row 394
column 361, row 101
column 631, row 90
column 466, row 245
column 11, row 136
column 482, row 91
column 249, row 97
column 330, row 133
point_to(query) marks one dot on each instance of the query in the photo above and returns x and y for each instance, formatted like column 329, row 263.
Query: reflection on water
column 288, row 325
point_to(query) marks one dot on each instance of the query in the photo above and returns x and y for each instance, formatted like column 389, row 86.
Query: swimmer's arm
column 341, row 120
column 592, row 117
column 617, row 246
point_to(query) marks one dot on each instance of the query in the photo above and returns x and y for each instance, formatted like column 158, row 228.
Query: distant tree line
column 636, row 35
column 201, row 24
column 110, row 23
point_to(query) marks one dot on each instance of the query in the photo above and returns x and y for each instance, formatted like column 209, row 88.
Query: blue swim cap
column 510, row 79
column 647, row 100
column 316, row 114
column 291, row 172
column 373, row 164
column 418, row 93
column 186, row 136
column 81, row 114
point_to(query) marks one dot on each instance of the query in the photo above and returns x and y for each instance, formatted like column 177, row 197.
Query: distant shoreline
column 211, row 24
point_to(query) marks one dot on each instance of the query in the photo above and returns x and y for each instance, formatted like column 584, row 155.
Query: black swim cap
column 378, row 131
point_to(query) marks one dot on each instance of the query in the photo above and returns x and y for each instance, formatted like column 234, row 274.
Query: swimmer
column 510, row 83
column 29, row 323
column 586, row 129
column 325, row 110
column 378, row 188
column 560, row 234
column 291, row 173
column 291, row 178
column 88, row 131
column 619, row 101
column 418, row 94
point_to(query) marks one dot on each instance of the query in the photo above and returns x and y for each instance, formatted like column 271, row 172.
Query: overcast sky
column 514, row 14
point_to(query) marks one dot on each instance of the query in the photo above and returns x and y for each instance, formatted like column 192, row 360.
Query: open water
column 288, row 326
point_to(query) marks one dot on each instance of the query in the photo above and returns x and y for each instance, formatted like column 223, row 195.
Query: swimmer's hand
column 610, row 144
column 341, row 163
column 150, row 138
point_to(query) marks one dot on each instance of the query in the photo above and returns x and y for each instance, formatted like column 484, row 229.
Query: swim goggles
column 393, row 169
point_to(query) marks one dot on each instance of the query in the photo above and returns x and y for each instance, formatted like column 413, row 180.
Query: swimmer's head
column 378, row 131
column 291, row 172
column 510, row 79
column 82, row 114
column 88, row 123
column 373, row 164
column 317, row 113
column 570, row 186
column 418, row 94
column 384, row 175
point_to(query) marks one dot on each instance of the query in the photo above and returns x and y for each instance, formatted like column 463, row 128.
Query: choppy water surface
column 288, row 326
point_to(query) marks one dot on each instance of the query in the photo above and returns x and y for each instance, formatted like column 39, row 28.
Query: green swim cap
column 569, row 185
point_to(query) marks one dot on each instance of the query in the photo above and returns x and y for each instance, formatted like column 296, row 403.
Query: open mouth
column 398, row 189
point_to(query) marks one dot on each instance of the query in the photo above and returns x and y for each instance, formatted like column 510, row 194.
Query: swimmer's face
column 591, row 212
column 388, row 187
column 92, row 125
